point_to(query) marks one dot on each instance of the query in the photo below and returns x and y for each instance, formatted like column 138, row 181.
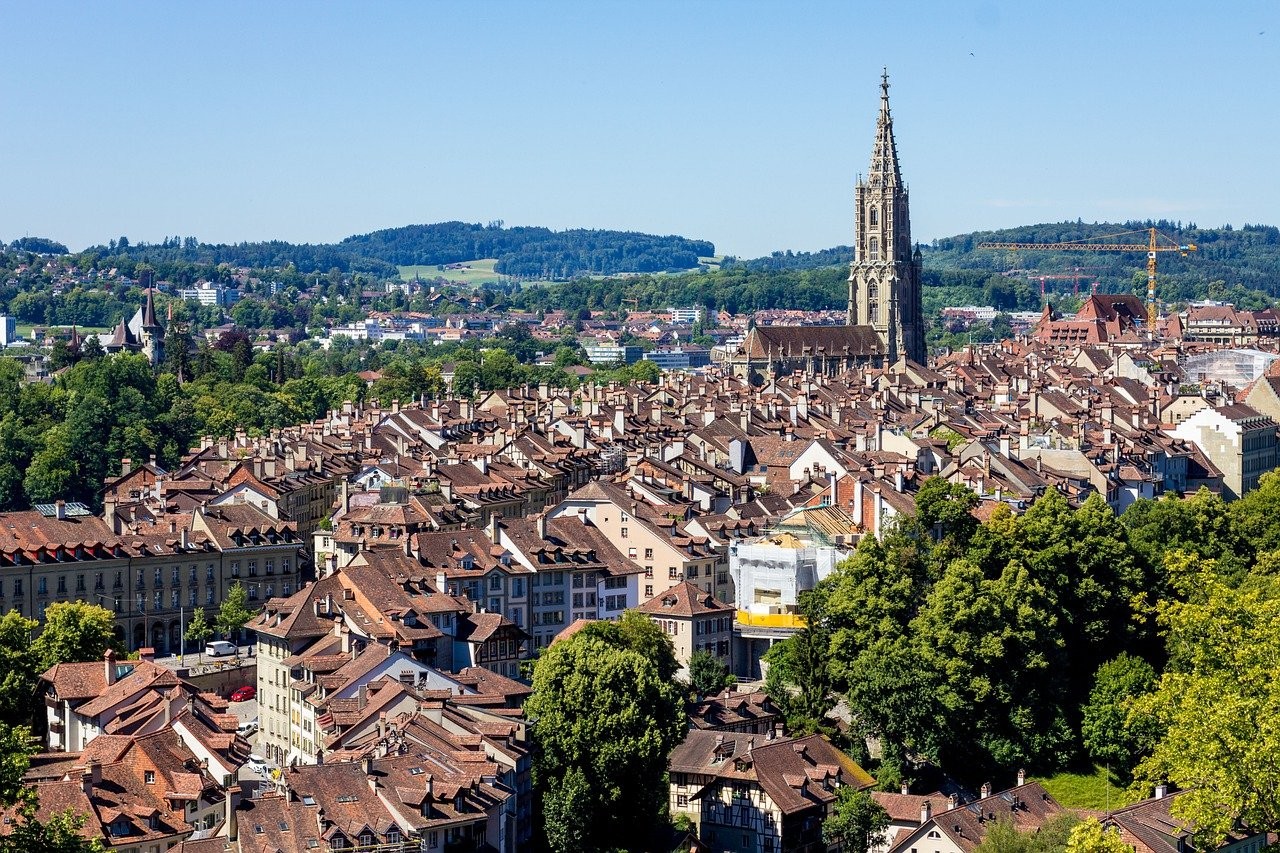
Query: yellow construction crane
column 1156, row 242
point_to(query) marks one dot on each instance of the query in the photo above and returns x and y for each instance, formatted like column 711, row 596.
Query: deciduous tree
column 73, row 631
column 707, row 675
column 1219, row 703
column 604, row 723
column 856, row 821
column 234, row 611
column 18, row 669
column 198, row 631
column 1090, row 836
column 1110, row 733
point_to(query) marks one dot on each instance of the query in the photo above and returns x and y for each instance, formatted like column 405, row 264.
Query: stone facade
column 884, row 277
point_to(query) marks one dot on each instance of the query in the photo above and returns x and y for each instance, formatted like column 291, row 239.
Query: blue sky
column 739, row 122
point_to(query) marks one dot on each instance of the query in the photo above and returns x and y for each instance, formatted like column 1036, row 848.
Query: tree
column 1109, row 732
column 1003, row 837
column 640, row 634
column 18, row 669
column 944, row 509
column 707, row 675
column 73, row 632
column 25, row 832
column 198, row 631
column 1218, row 703
column 798, row 677
column 856, row 822
column 1090, row 836
column 604, row 723
column 234, row 612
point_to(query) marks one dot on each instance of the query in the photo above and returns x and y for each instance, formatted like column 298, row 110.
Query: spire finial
column 884, row 83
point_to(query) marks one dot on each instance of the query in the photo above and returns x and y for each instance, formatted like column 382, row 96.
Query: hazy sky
column 742, row 123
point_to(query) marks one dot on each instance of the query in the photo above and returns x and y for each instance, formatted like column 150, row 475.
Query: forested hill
column 1232, row 260
column 528, row 252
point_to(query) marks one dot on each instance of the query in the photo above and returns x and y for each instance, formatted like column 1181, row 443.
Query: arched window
column 873, row 216
column 873, row 291
column 873, row 249
column 873, row 311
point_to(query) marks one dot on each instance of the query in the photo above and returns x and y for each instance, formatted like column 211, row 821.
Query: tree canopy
column 605, row 719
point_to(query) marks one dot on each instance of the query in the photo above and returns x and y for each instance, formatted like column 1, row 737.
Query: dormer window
column 149, row 776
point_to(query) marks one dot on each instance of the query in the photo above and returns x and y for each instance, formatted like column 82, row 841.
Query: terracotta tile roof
column 685, row 600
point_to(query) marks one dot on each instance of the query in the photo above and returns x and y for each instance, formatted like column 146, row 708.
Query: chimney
column 906, row 789
column 542, row 525
column 60, row 509
column 109, row 665
column 232, row 818
column 126, row 465
column 344, row 496
column 173, row 526
column 985, row 790
column 366, row 764
column 926, row 811
column 1022, row 777
column 1162, row 791
column 184, row 538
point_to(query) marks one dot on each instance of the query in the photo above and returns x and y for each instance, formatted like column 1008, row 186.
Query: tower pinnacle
column 884, row 277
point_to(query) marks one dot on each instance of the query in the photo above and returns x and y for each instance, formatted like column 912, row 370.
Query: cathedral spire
column 884, row 156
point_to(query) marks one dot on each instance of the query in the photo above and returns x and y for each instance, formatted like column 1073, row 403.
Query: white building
column 206, row 293
column 688, row 316
column 8, row 330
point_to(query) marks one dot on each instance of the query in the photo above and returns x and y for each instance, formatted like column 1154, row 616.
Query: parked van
column 219, row 648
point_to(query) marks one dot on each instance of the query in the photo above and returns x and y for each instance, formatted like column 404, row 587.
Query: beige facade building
column 153, row 574
column 695, row 621
column 1238, row 439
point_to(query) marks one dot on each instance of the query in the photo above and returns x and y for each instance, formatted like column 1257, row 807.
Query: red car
column 244, row 694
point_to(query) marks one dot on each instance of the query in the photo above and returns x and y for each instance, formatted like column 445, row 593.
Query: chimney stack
column 926, row 811
column 986, row 790
column 232, row 818
column 1022, row 777
column 109, row 662
column 60, row 509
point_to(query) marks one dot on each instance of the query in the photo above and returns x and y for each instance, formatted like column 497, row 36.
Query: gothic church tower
column 884, row 278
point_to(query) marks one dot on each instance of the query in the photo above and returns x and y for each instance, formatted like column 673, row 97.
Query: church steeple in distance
column 884, row 169
column 884, row 277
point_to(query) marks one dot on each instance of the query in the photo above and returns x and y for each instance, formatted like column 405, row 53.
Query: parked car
column 248, row 727
column 257, row 764
column 220, row 648
column 244, row 694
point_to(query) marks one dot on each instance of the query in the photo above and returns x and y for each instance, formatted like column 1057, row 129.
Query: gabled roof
column 684, row 600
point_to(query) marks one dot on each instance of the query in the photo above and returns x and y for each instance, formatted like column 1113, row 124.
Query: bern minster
column 885, row 320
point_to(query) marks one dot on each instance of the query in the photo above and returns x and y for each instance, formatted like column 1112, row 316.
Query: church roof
column 804, row 341
column 149, row 311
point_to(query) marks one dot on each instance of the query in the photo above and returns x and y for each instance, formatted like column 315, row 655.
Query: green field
column 24, row 329
column 1098, row 790
column 473, row 273
column 480, row 272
